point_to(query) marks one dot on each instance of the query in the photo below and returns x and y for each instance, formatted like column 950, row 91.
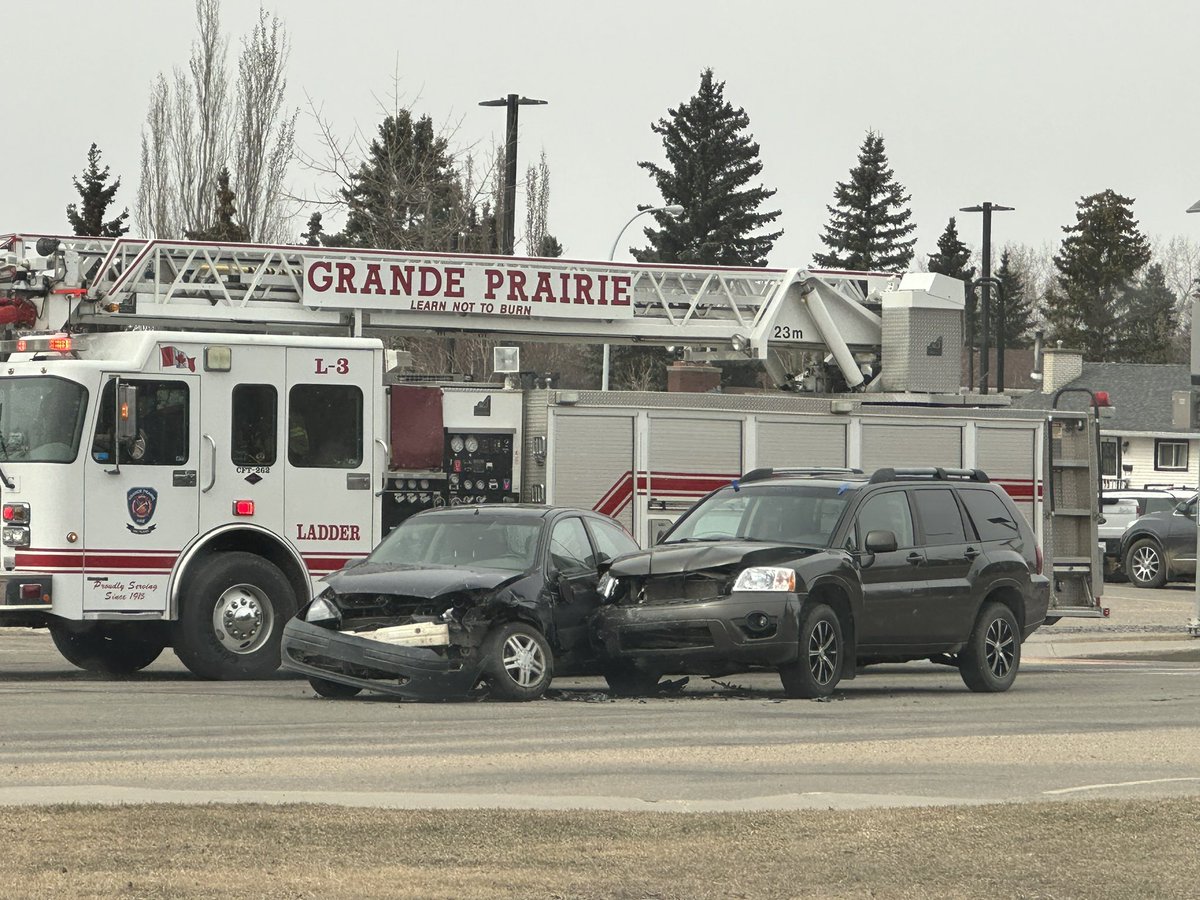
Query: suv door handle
column 915, row 558
column 971, row 553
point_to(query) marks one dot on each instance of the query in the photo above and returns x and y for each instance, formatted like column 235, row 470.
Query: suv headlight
column 766, row 578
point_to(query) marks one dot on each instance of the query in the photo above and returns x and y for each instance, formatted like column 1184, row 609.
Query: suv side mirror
column 881, row 541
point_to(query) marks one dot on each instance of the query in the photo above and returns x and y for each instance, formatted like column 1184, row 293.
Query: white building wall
column 1141, row 456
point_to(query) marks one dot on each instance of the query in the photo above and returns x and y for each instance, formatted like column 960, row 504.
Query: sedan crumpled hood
column 368, row 578
column 670, row 559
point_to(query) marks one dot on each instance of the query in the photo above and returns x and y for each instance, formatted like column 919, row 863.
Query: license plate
column 423, row 634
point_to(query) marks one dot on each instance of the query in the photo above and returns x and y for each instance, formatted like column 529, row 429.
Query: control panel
column 479, row 467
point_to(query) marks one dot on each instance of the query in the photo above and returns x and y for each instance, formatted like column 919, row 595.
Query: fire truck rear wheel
column 105, row 649
column 234, row 609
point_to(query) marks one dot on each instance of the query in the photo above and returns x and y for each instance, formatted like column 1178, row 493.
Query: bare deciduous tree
column 193, row 130
column 266, row 134
column 1180, row 259
column 537, row 205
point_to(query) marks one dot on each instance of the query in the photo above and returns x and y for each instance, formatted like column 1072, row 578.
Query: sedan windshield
column 477, row 541
column 41, row 419
column 787, row 514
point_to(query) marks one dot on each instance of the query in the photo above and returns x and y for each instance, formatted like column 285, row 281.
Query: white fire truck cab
column 192, row 435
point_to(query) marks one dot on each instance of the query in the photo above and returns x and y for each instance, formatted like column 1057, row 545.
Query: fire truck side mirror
column 127, row 427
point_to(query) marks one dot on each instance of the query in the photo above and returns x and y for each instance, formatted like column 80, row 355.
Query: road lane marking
column 1096, row 787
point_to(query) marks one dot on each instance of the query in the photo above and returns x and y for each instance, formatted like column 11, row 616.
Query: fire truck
column 193, row 434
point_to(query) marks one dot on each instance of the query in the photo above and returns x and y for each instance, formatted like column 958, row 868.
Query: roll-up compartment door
column 1009, row 457
column 904, row 446
column 592, row 464
column 798, row 444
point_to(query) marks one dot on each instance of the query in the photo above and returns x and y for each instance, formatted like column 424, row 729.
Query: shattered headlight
column 766, row 578
column 607, row 586
column 322, row 609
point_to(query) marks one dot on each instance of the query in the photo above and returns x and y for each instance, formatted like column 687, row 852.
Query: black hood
column 671, row 559
column 381, row 578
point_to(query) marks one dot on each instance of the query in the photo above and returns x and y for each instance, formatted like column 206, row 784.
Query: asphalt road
column 1099, row 726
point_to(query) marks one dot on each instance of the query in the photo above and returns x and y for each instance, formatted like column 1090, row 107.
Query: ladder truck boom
column 725, row 313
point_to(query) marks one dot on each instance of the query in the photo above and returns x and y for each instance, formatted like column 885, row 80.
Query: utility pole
column 509, row 226
column 986, row 283
column 1194, row 623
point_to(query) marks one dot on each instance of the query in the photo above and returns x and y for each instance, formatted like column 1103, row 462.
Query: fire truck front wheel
column 234, row 608
column 106, row 649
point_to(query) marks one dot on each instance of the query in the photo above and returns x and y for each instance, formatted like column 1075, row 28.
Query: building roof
column 1141, row 395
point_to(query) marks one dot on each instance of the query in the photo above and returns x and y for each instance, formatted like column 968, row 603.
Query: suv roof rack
column 763, row 473
column 934, row 473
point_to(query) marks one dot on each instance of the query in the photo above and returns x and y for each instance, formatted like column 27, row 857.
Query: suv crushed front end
column 705, row 609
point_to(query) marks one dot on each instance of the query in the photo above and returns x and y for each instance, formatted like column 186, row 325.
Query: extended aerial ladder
column 722, row 313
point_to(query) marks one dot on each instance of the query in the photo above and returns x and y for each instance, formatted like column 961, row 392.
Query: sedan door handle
column 971, row 553
column 915, row 559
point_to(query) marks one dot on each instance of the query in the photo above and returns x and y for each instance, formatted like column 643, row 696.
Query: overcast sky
column 1027, row 104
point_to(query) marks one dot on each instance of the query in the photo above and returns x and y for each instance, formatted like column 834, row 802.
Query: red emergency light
column 59, row 343
column 243, row 507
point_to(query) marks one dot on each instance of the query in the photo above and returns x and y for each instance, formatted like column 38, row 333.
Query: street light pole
column 1194, row 623
column 673, row 209
column 985, row 278
column 512, row 102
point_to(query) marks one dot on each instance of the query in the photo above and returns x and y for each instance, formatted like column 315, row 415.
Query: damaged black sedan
column 493, row 600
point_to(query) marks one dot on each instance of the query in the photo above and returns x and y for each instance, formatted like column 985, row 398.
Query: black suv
column 813, row 572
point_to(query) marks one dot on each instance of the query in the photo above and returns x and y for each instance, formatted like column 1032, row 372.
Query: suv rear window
column 993, row 519
column 940, row 518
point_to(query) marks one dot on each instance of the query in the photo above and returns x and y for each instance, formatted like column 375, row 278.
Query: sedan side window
column 570, row 552
column 611, row 541
column 886, row 512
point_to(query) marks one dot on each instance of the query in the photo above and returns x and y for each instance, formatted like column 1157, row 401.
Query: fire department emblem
column 142, row 502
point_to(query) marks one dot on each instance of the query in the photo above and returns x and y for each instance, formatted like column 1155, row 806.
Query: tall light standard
column 673, row 209
column 1194, row 624
column 512, row 102
column 985, row 282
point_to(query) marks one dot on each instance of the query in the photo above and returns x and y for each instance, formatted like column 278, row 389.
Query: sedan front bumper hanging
column 416, row 673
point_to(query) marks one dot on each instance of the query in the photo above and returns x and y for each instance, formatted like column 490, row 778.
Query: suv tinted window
column 887, row 511
column 940, row 518
column 992, row 518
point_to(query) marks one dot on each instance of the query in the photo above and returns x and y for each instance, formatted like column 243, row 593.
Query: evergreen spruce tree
column 868, row 228
column 1152, row 320
column 223, row 229
column 315, row 231
column 711, row 170
column 711, row 160
column 1103, row 251
column 1011, row 306
column 952, row 258
column 96, row 198
column 406, row 194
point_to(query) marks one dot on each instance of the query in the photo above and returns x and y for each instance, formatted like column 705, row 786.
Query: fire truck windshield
column 41, row 419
